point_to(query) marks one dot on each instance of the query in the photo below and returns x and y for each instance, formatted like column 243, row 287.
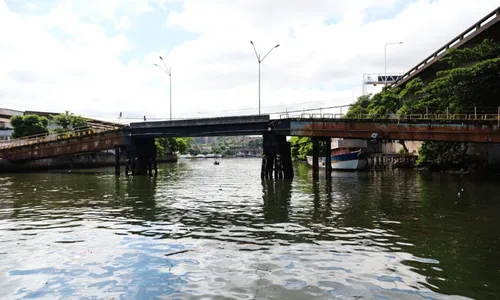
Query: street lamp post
column 385, row 59
column 260, row 61
column 167, row 71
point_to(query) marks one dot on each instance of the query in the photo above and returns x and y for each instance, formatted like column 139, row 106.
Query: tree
column 472, row 80
column 301, row 147
column 69, row 122
column 172, row 145
column 360, row 107
column 28, row 125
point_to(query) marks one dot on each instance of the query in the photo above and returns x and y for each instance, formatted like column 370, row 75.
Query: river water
column 200, row 231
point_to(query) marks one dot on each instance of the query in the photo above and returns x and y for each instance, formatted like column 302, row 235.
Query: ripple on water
column 199, row 232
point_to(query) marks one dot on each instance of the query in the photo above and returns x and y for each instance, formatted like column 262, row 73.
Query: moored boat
column 346, row 155
column 349, row 161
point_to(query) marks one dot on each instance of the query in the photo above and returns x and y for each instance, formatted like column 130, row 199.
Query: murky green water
column 391, row 235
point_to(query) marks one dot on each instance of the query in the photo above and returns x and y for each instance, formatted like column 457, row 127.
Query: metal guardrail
column 424, row 117
column 47, row 137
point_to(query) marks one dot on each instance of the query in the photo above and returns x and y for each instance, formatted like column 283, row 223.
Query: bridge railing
column 437, row 116
column 56, row 136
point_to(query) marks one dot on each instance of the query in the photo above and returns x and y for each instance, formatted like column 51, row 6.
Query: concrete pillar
column 287, row 160
column 276, row 158
column 142, row 156
column 155, row 165
column 117, row 161
column 328, row 158
column 315, row 160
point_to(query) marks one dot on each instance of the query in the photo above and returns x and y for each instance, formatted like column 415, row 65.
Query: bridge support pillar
column 315, row 158
column 117, row 161
column 141, row 157
column 276, row 158
column 328, row 158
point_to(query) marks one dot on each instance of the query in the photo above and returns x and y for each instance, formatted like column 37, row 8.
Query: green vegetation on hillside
column 472, row 80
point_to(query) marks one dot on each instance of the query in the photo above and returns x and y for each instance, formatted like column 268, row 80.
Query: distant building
column 5, row 127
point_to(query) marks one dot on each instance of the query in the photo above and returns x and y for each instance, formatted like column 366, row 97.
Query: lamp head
column 277, row 46
column 161, row 57
column 251, row 42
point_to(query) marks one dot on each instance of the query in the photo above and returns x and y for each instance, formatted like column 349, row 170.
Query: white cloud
column 31, row 6
column 124, row 24
column 60, row 61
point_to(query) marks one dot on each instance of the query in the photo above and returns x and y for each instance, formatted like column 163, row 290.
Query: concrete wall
column 5, row 134
column 91, row 160
column 376, row 147
column 494, row 156
column 349, row 143
column 395, row 148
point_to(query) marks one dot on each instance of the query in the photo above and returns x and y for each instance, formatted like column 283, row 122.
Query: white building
column 5, row 127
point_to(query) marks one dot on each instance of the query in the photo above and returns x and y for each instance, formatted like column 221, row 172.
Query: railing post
column 475, row 113
column 427, row 112
column 447, row 114
column 498, row 116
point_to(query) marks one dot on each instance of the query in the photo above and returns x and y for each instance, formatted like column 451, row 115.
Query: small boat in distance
column 216, row 163
column 346, row 155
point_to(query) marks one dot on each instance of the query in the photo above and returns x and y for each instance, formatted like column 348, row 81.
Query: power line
column 283, row 109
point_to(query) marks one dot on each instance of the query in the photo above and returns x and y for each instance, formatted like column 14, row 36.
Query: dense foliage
column 69, row 122
column 226, row 146
column 472, row 80
column 34, row 124
column 172, row 145
column 28, row 125
column 300, row 147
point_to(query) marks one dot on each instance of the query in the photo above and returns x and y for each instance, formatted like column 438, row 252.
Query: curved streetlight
column 167, row 71
column 385, row 59
column 259, row 60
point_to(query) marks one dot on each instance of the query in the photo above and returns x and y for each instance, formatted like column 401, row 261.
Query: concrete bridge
column 487, row 27
column 137, row 140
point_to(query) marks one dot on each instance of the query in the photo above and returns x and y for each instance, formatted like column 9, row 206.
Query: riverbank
column 83, row 161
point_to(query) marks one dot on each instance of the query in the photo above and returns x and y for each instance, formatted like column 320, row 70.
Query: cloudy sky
column 96, row 57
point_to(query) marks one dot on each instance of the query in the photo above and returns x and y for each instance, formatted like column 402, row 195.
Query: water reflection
column 276, row 195
column 399, row 235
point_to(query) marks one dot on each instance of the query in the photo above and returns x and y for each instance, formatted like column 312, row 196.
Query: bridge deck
column 478, row 131
column 484, row 129
column 65, row 146
column 224, row 126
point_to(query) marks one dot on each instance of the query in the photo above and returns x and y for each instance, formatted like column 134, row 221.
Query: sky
column 96, row 57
